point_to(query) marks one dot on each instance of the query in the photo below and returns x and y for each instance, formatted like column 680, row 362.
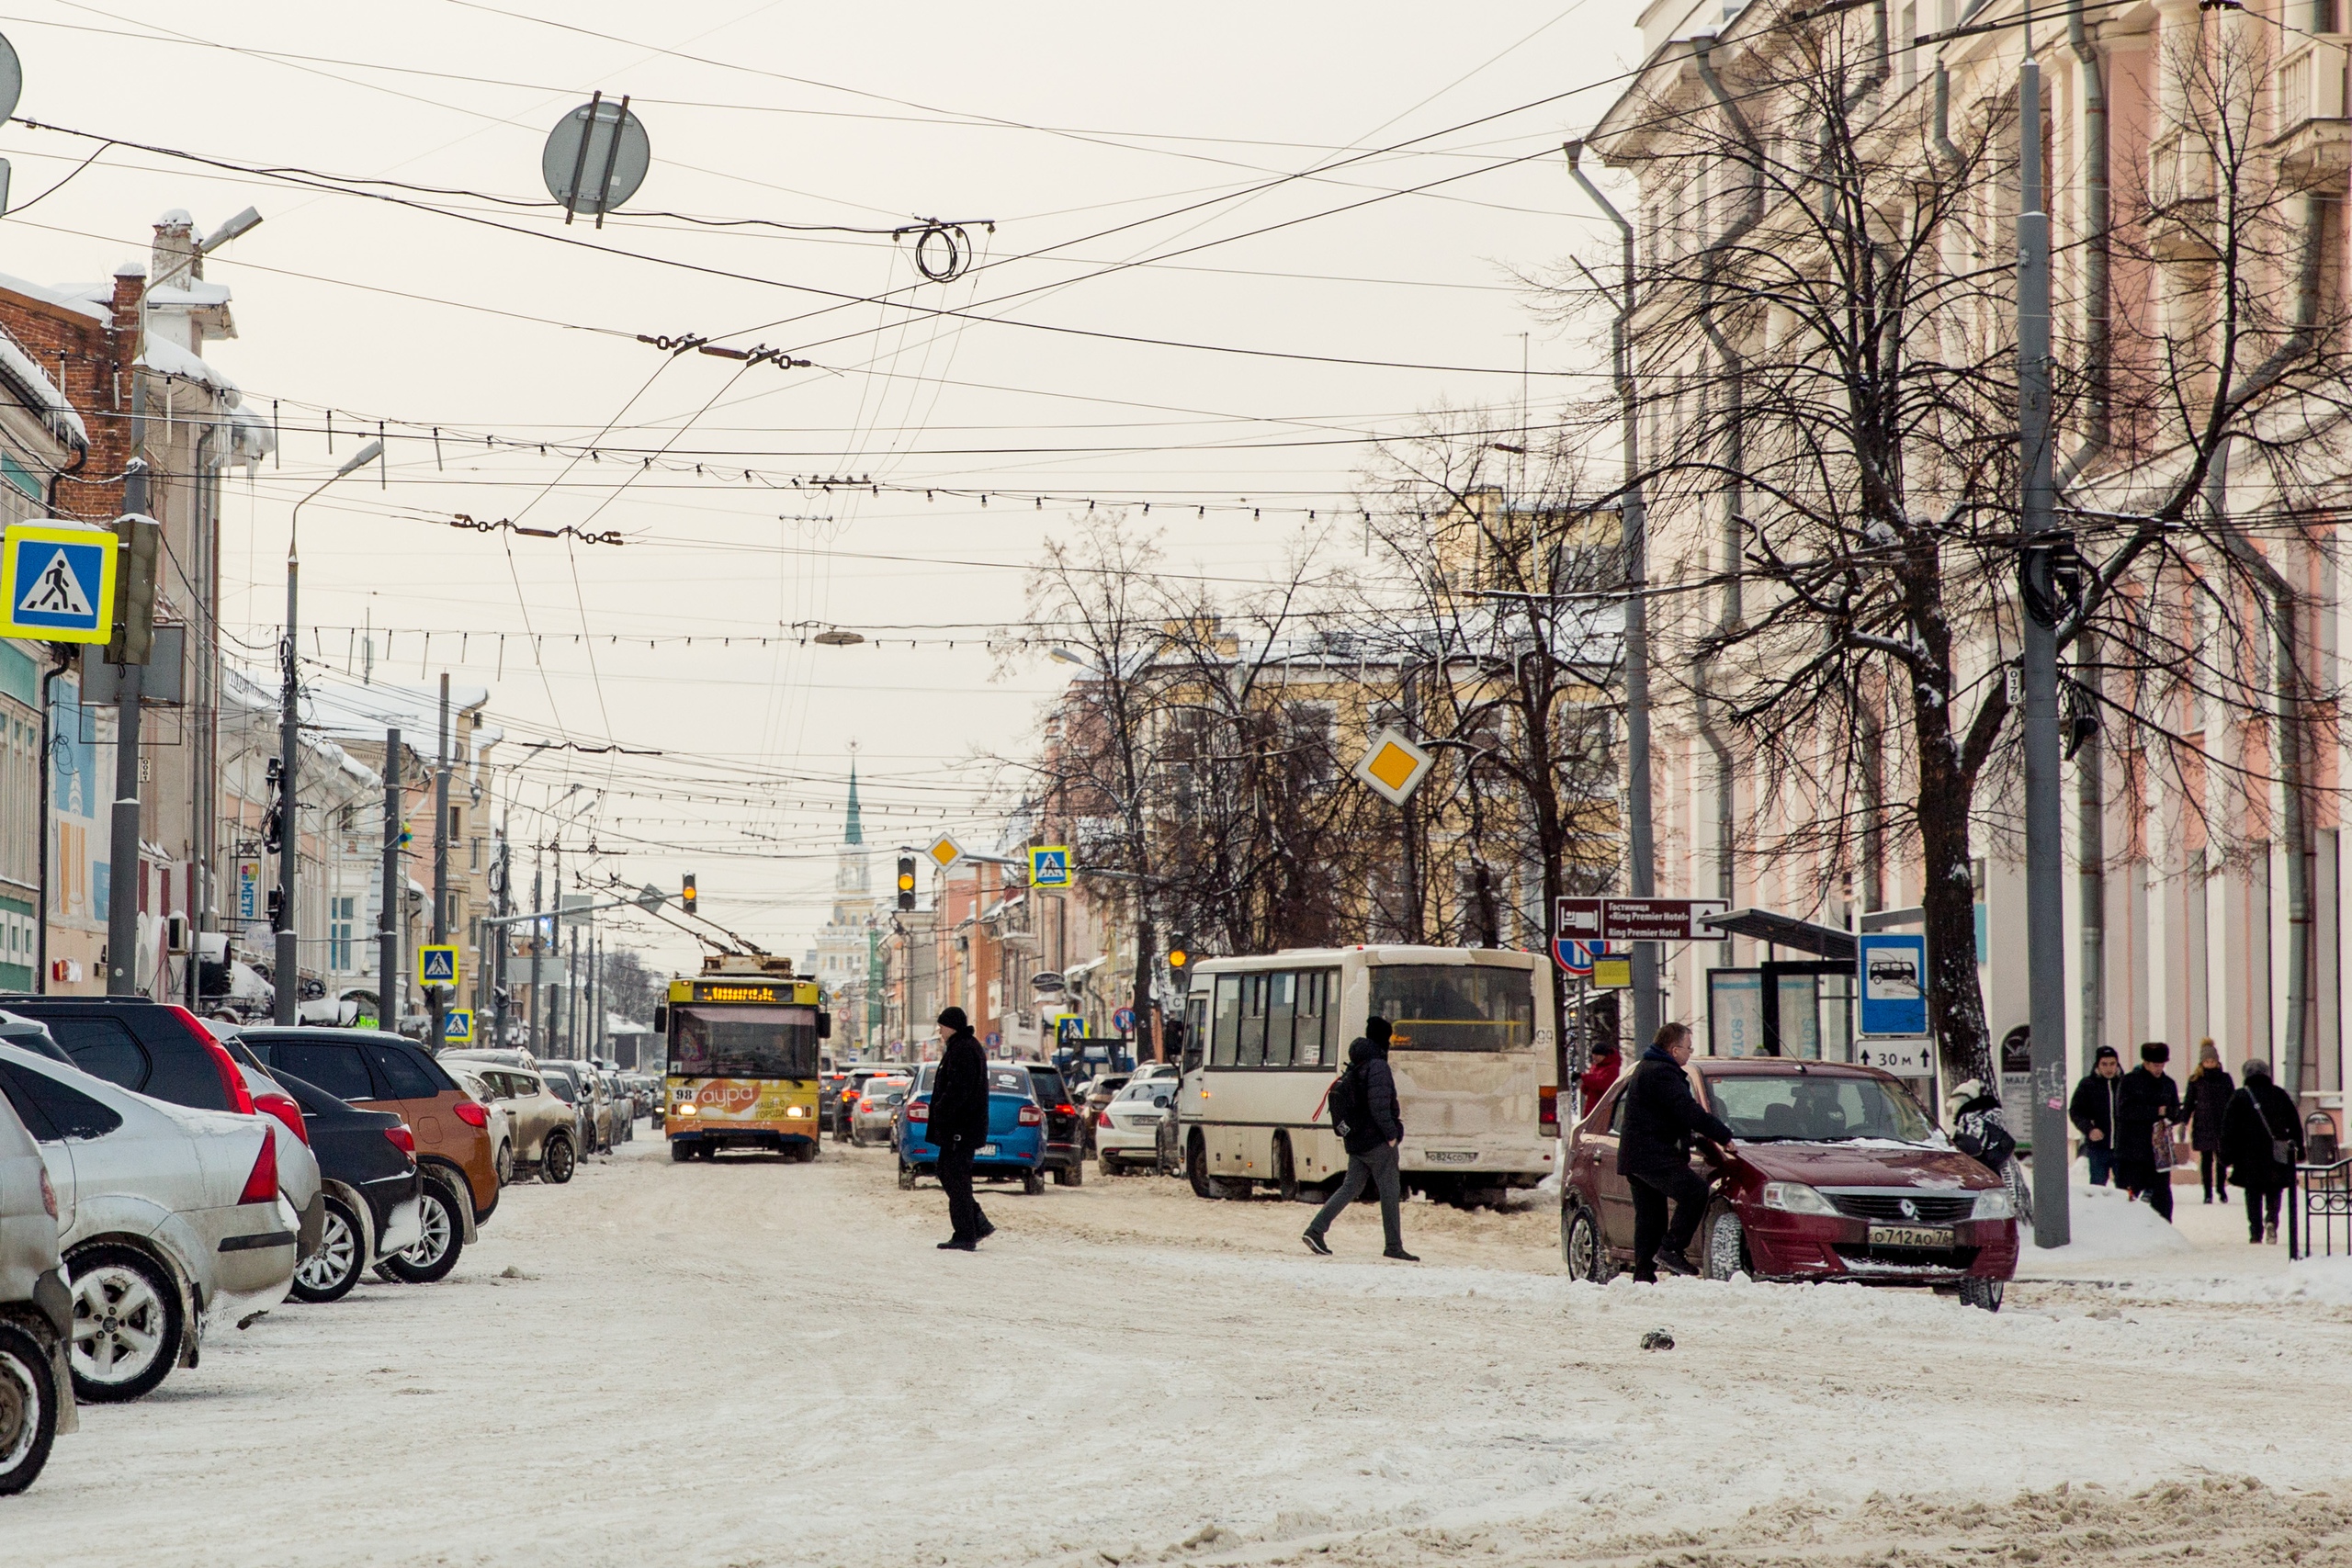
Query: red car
column 1835, row 1173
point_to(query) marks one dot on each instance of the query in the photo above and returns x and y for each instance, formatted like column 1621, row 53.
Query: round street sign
column 1123, row 1020
column 596, row 157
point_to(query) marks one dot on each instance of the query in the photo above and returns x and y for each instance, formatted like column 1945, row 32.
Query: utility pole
column 559, row 1004
column 123, row 855
column 388, row 921
column 1641, row 854
column 538, row 940
column 2038, row 570
column 499, row 998
column 571, row 987
column 441, row 854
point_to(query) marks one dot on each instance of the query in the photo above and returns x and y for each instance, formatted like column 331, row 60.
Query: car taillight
column 48, row 1194
column 1103, row 1119
column 261, row 1182
column 232, row 1078
column 1065, row 1110
column 1547, row 1108
column 1033, row 1115
column 471, row 1114
column 403, row 1140
column 919, row 1112
column 286, row 1111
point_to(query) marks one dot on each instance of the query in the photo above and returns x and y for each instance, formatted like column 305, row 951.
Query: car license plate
column 1452, row 1156
column 988, row 1148
column 1931, row 1236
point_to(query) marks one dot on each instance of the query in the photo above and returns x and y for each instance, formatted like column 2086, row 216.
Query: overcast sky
column 1092, row 138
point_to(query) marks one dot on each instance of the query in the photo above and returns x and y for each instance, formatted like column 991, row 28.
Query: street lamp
column 290, row 962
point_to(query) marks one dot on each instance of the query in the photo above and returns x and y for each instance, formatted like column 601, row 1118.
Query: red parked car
column 1835, row 1173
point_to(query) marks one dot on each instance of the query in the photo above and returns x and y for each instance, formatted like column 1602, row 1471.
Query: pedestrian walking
column 958, row 1125
column 2147, row 1103
column 1362, row 1107
column 2210, row 1090
column 1662, row 1117
column 2092, row 1111
column 1594, row 1080
column 2263, row 1144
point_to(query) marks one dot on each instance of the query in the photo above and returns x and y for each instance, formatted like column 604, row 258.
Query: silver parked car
column 170, row 1220
column 36, row 1311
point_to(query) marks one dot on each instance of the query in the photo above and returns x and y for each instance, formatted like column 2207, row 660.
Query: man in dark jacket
column 2144, row 1102
column 2092, row 1111
column 1374, row 1128
column 2259, row 1117
column 1654, row 1154
column 959, row 1125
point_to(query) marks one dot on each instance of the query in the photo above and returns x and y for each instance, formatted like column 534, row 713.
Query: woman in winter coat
column 2258, row 1118
column 2208, row 1096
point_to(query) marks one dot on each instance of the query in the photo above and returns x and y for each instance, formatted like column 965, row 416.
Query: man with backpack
column 1363, row 1105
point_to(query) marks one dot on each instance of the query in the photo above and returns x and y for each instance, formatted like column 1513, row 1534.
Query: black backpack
column 1345, row 1103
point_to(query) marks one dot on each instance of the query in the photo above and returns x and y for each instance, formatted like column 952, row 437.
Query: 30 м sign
column 1638, row 920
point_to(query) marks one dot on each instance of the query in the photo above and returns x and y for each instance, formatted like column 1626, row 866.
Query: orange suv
column 387, row 1072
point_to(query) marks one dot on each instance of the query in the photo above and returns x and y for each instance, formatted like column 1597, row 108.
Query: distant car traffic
column 876, row 1113
column 1015, row 1149
column 1835, row 1173
column 1127, row 1131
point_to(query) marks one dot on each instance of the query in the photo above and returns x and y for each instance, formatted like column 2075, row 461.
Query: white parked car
column 1127, row 1131
column 170, row 1220
column 501, row 1114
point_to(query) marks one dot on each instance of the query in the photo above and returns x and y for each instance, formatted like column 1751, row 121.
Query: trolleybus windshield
column 743, row 1042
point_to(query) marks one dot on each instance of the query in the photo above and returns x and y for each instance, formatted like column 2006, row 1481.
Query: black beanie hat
column 953, row 1018
column 1377, row 1030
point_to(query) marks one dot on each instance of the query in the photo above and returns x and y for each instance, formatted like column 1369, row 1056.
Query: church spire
column 853, row 832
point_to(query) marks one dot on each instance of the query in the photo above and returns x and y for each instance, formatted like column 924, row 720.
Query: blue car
column 1016, row 1146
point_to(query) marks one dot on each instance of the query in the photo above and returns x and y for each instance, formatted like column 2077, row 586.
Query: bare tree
column 1829, row 399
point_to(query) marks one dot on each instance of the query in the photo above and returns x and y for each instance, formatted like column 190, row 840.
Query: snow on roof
column 40, row 394
column 255, row 438
column 191, row 291
column 82, row 298
column 173, row 360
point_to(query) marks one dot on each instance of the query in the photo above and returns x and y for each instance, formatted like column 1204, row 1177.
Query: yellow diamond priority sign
column 1393, row 766
column 944, row 852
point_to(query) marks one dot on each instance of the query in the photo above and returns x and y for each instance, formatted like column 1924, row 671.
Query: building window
column 339, row 934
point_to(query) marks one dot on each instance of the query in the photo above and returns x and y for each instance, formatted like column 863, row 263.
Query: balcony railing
column 2312, row 136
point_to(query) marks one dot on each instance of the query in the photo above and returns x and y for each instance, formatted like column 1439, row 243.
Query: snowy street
column 756, row 1362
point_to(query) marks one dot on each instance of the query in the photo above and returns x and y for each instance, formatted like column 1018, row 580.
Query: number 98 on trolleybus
column 745, row 1056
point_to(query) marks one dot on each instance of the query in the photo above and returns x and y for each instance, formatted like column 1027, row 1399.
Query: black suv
column 161, row 1051
column 1065, row 1125
column 368, row 1165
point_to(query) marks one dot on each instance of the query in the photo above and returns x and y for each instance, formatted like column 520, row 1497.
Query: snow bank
column 2107, row 1226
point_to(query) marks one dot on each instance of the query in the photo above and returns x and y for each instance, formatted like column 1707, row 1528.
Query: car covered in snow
column 1834, row 1173
column 170, row 1220
column 1015, row 1150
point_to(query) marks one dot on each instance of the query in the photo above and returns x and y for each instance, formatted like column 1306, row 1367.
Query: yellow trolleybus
column 745, row 1052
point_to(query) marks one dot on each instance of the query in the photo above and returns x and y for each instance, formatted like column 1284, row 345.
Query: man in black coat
column 2092, row 1111
column 1375, row 1127
column 959, row 1125
column 2146, row 1100
column 1654, row 1154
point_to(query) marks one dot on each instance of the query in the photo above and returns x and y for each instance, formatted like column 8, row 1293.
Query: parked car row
column 163, row 1176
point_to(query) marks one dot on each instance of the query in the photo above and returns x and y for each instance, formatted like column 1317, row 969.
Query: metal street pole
column 387, row 918
column 571, row 990
column 290, row 962
column 123, row 857
column 537, row 1024
column 2038, row 668
column 1641, row 854
column 441, row 854
column 500, row 999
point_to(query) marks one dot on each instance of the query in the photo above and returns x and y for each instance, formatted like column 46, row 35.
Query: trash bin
column 2320, row 1145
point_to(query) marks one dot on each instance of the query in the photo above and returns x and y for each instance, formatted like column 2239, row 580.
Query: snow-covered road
column 767, row 1363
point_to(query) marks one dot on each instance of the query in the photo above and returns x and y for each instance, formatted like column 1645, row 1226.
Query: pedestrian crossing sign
column 438, row 966
column 57, row 583
column 458, row 1027
column 1049, row 867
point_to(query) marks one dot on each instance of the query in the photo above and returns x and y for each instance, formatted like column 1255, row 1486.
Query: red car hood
column 1868, row 1165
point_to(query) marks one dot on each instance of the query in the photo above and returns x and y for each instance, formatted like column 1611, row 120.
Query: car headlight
column 1796, row 1198
column 684, row 1108
column 795, row 1110
column 1995, row 1203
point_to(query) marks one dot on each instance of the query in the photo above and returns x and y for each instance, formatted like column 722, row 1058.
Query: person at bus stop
column 959, row 1124
column 2092, row 1111
column 1662, row 1117
column 1365, row 1099
column 2210, row 1090
column 1596, row 1078
column 2147, row 1104
column 2258, row 1127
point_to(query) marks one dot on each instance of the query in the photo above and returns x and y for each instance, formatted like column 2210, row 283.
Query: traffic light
column 686, row 898
column 1180, row 953
column 906, row 882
